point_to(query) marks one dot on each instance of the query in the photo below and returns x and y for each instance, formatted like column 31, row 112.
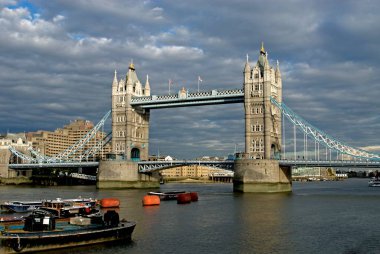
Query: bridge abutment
column 261, row 176
column 124, row 175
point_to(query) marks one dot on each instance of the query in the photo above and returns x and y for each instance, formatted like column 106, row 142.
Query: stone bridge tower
column 130, row 126
column 262, row 119
column 258, row 169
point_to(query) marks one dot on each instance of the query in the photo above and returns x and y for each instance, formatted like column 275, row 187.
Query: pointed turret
column 114, row 83
column 147, row 86
column 262, row 50
column 247, row 67
column 128, row 78
column 263, row 61
column 278, row 72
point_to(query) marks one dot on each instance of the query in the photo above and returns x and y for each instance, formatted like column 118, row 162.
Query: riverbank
column 16, row 181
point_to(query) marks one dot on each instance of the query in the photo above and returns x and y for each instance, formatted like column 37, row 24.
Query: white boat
column 21, row 206
column 374, row 182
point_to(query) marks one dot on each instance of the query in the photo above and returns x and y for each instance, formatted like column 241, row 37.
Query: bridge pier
column 124, row 175
column 261, row 176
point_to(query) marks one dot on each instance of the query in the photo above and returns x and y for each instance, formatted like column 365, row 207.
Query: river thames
column 317, row 217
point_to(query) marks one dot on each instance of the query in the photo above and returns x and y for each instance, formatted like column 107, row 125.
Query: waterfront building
column 314, row 173
column 193, row 171
column 19, row 142
column 51, row 143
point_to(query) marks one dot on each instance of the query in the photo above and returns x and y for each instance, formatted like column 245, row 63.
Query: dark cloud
column 57, row 60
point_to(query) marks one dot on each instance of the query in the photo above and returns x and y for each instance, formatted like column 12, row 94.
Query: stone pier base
column 261, row 176
column 124, row 175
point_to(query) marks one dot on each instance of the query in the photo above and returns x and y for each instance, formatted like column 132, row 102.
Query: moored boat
column 63, row 208
column 374, row 182
column 29, row 206
column 170, row 195
column 21, row 206
column 40, row 232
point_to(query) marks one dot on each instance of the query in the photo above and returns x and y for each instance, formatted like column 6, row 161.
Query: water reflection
column 320, row 217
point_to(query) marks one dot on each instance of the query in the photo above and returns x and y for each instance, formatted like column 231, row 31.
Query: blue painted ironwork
column 194, row 99
column 322, row 137
column 150, row 166
column 189, row 99
column 80, row 143
column 55, row 165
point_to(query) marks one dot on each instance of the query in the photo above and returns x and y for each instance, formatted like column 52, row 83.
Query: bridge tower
column 130, row 137
column 258, row 170
column 130, row 126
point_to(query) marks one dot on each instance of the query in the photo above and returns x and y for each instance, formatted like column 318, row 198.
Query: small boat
column 171, row 195
column 64, row 208
column 374, row 182
column 21, row 206
column 40, row 232
column 29, row 206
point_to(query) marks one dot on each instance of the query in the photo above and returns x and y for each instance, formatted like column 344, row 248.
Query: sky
column 57, row 62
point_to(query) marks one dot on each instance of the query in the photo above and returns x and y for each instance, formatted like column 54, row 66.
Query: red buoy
column 151, row 200
column 109, row 202
column 184, row 198
column 194, row 196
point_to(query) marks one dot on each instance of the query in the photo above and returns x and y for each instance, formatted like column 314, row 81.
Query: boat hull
column 172, row 195
column 12, row 208
column 374, row 183
column 23, row 242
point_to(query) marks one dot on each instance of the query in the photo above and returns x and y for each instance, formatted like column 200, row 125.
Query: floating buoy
column 109, row 202
column 194, row 196
column 183, row 198
column 151, row 200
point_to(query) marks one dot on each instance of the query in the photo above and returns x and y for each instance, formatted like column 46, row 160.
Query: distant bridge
column 151, row 166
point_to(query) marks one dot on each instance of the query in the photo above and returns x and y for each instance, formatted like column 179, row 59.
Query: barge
column 40, row 232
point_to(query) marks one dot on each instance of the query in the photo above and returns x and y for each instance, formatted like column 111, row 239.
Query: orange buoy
column 194, row 196
column 151, row 200
column 184, row 198
column 109, row 202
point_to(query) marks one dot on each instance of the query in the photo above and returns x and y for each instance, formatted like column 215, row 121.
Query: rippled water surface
column 317, row 217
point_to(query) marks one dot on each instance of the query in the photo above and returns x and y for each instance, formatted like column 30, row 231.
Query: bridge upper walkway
column 186, row 99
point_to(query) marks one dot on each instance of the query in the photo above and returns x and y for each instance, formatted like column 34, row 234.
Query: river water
column 317, row 217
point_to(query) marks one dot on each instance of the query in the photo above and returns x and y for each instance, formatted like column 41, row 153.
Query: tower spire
column 147, row 86
column 131, row 65
column 114, row 83
column 262, row 50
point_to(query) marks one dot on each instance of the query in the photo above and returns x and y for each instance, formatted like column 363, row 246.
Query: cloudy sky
column 57, row 61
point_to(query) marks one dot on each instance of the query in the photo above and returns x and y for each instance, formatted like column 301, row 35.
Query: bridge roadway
column 186, row 99
column 149, row 166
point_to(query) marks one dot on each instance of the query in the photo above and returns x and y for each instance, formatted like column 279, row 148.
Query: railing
column 149, row 166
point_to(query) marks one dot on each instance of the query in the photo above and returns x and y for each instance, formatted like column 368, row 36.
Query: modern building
column 51, row 143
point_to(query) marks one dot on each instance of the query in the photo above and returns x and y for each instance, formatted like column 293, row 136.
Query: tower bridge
column 264, row 166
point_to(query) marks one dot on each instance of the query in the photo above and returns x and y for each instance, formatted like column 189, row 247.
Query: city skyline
column 58, row 61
